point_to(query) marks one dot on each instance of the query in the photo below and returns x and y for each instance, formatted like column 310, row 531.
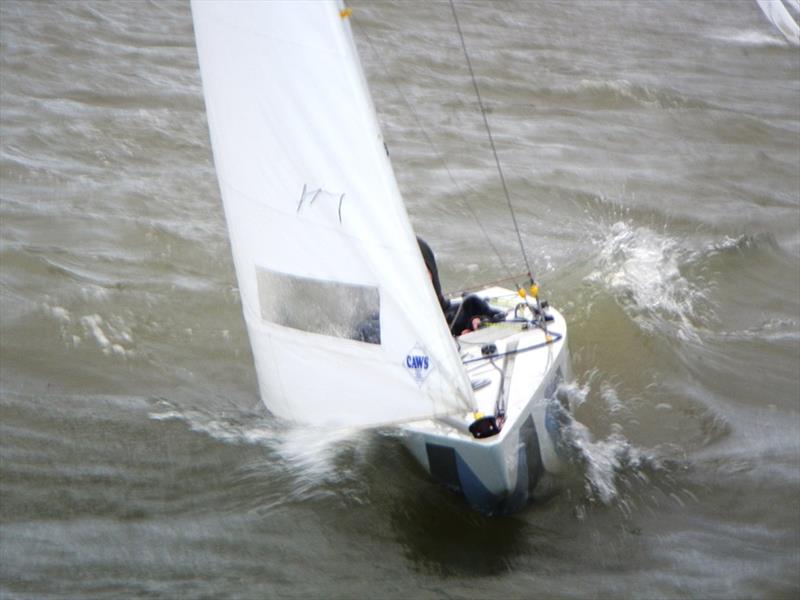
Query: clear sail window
column 331, row 308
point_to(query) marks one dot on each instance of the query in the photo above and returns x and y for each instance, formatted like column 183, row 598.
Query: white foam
column 111, row 337
column 94, row 293
column 749, row 37
column 576, row 394
column 601, row 461
column 61, row 313
column 93, row 326
column 641, row 267
column 310, row 452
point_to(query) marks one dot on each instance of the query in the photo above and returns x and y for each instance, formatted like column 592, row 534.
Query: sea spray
column 314, row 463
column 598, row 462
column 642, row 267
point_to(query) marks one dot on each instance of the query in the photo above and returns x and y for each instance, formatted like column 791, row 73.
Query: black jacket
column 430, row 262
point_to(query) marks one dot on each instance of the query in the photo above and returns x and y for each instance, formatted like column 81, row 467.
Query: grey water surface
column 652, row 154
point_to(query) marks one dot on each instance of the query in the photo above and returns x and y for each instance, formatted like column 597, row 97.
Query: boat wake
column 293, row 466
column 311, row 463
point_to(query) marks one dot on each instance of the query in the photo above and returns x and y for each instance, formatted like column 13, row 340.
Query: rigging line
column 438, row 154
column 480, row 286
column 556, row 337
column 491, row 140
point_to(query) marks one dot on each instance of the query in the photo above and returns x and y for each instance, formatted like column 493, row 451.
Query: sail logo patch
column 418, row 363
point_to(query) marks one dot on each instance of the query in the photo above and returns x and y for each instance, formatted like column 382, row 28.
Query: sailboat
column 322, row 244
column 781, row 18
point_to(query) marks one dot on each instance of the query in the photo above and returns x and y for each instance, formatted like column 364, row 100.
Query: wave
column 618, row 95
column 749, row 37
column 737, row 128
column 308, row 464
column 743, row 244
column 305, row 463
column 775, row 331
column 642, row 268
column 672, row 275
column 602, row 463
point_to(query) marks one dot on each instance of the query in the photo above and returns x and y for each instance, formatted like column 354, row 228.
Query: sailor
column 462, row 317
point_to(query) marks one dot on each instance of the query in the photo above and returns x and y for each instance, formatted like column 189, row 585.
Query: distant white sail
column 777, row 14
column 320, row 237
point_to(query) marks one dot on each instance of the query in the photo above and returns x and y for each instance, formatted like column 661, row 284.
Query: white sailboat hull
column 499, row 474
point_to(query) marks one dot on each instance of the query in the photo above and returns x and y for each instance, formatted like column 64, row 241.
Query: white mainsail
column 320, row 238
column 777, row 14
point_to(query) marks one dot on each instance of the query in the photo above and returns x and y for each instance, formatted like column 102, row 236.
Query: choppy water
column 653, row 155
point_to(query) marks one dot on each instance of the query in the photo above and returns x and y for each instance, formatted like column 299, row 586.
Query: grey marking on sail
column 313, row 195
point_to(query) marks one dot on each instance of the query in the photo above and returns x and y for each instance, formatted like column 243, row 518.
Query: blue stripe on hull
column 450, row 469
